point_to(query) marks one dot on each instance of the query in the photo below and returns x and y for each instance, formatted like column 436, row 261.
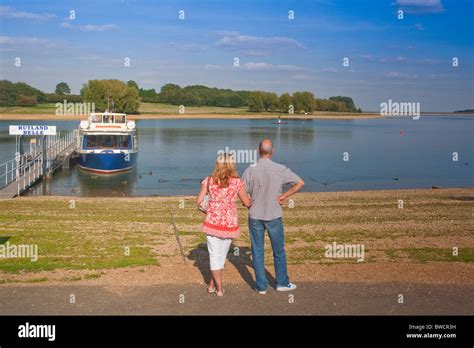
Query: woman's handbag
column 205, row 201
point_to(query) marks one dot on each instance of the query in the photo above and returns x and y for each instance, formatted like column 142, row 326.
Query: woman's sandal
column 220, row 293
column 211, row 291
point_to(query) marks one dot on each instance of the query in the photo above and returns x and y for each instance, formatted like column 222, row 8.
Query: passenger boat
column 107, row 143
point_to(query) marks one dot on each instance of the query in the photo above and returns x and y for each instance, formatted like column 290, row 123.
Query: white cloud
column 262, row 66
column 420, row 6
column 90, row 27
column 16, row 41
column 374, row 59
column 334, row 24
column 213, row 67
column 400, row 75
column 393, row 59
column 192, row 47
column 255, row 45
column 303, row 77
column 330, row 69
column 11, row 13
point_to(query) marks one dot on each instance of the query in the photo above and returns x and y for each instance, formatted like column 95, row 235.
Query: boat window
column 96, row 118
column 105, row 141
column 119, row 118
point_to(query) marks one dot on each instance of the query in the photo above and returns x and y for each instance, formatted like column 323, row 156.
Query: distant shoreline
column 151, row 116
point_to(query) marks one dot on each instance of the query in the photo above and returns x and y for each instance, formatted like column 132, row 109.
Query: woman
column 221, row 222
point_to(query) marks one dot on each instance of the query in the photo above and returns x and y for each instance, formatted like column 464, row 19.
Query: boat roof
column 107, row 113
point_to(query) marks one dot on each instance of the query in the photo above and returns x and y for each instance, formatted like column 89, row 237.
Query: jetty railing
column 29, row 167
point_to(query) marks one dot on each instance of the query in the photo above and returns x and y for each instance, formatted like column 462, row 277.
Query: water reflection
column 175, row 154
column 78, row 182
column 120, row 184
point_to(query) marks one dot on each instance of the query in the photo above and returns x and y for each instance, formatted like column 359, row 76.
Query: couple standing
column 260, row 189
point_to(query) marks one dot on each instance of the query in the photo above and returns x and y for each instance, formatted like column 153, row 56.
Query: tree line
column 103, row 93
column 22, row 94
column 126, row 97
column 256, row 101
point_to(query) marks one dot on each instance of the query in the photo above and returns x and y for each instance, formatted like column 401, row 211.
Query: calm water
column 383, row 154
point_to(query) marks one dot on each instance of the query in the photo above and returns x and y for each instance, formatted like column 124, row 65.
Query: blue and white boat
column 107, row 143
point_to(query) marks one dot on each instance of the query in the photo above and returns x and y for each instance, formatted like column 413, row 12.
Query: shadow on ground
column 239, row 257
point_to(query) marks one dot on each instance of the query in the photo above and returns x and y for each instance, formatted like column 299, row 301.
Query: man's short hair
column 265, row 147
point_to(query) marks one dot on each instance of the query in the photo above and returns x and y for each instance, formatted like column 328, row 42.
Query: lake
column 330, row 155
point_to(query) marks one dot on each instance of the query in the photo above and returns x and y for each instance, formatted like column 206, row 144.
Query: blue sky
column 408, row 60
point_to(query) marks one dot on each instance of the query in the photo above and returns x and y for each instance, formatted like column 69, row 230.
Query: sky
column 407, row 59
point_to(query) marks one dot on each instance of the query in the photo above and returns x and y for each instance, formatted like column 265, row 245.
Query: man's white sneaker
column 290, row 287
column 263, row 292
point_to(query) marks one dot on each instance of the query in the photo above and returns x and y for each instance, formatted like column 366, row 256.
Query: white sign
column 32, row 130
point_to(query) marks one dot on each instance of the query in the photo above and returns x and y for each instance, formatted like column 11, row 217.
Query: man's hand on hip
column 295, row 188
column 281, row 199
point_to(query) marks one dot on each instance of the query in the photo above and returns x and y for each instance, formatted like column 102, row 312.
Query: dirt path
column 316, row 298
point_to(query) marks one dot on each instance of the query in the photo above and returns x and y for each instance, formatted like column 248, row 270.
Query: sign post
column 31, row 131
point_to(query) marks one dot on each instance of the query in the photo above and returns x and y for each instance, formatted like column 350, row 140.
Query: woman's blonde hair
column 225, row 170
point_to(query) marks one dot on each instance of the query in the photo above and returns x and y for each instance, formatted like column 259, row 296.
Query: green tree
column 220, row 99
column 256, row 102
column 318, row 104
column 132, row 83
column 148, row 95
column 170, row 94
column 8, row 95
column 202, row 95
column 284, row 102
column 124, row 98
column 57, row 98
column 303, row 101
column 22, row 88
column 130, row 102
column 349, row 103
column 25, row 100
column 270, row 101
column 236, row 100
column 62, row 88
column 12, row 93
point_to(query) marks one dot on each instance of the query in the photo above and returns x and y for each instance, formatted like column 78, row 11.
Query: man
column 264, row 183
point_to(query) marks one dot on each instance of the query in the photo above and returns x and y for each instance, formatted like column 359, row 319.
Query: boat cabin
column 108, row 118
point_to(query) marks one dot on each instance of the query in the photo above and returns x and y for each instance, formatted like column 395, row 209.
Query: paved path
column 309, row 299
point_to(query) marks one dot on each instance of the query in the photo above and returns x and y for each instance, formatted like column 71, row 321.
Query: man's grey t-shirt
column 263, row 183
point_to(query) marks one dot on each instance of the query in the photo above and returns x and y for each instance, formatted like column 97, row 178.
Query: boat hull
column 107, row 163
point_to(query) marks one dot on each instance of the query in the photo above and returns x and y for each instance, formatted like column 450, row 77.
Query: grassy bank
column 145, row 108
column 167, row 111
column 164, row 111
column 104, row 233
